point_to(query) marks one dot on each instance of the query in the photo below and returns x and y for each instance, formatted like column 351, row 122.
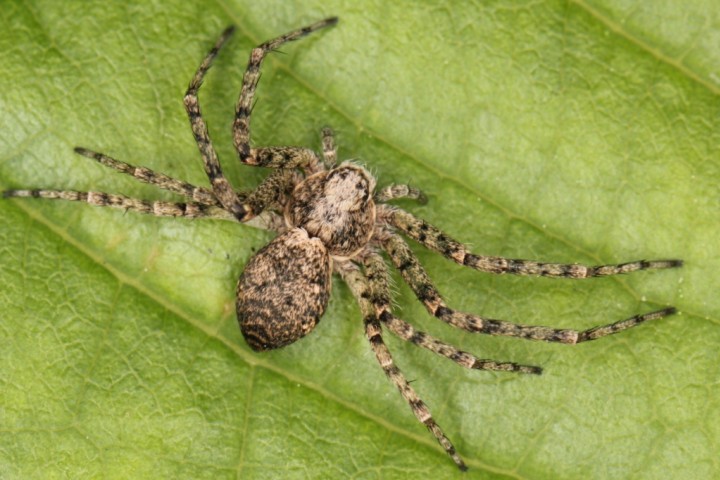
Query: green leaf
column 558, row 131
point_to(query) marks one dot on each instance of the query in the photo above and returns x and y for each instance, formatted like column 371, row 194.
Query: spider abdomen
column 337, row 207
column 283, row 291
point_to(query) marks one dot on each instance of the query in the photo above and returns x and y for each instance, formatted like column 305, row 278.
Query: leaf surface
column 558, row 131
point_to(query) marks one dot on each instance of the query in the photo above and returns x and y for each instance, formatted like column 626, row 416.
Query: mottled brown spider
column 329, row 218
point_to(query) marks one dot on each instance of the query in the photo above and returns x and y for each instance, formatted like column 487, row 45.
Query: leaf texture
column 553, row 130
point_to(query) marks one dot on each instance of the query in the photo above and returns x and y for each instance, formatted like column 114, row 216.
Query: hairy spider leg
column 275, row 157
column 373, row 332
column 151, row 177
column 101, row 199
column 329, row 149
column 434, row 239
column 204, row 204
column 415, row 276
column 392, row 192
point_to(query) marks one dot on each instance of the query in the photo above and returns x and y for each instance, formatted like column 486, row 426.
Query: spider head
column 337, row 207
column 348, row 187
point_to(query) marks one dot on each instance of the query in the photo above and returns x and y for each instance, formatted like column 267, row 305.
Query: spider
column 330, row 218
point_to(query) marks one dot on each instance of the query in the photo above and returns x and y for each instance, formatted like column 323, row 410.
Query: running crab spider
column 330, row 218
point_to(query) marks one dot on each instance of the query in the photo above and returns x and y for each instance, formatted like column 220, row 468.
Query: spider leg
column 205, row 205
column 373, row 331
column 434, row 239
column 414, row 274
column 329, row 148
column 267, row 192
column 145, row 175
column 274, row 157
column 376, row 282
column 224, row 192
column 391, row 192
column 100, row 199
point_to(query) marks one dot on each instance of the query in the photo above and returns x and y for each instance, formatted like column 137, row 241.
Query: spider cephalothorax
column 330, row 218
column 337, row 207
